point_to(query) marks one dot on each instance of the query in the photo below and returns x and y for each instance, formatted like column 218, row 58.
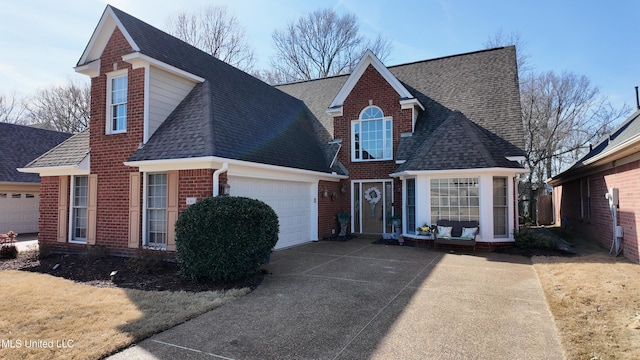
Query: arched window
column 371, row 136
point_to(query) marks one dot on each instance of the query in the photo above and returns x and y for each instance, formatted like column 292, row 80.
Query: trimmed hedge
column 225, row 238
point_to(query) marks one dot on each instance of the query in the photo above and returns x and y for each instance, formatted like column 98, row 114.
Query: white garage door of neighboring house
column 292, row 201
column 19, row 212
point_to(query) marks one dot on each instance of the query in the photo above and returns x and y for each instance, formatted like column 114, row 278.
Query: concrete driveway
column 357, row 300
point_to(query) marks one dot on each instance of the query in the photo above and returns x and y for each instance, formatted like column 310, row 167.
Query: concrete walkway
column 357, row 300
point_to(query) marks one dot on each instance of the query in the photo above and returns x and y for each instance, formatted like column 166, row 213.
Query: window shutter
column 92, row 209
column 134, row 210
column 63, row 208
column 172, row 209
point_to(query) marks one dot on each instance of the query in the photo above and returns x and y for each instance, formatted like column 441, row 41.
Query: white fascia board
column 411, row 103
column 461, row 172
column 369, row 59
column 516, row 158
column 335, row 111
column 236, row 167
column 101, row 35
column 139, row 60
column 627, row 144
column 82, row 168
column 56, row 170
column 91, row 69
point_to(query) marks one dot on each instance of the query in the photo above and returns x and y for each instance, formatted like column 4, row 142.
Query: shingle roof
column 68, row 153
column 482, row 85
column 22, row 144
column 231, row 115
column 628, row 130
column 457, row 143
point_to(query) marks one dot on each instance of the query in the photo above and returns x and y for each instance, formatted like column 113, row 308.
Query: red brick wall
column 48, row 221
column 194, row 183
column 372, row 86
column 599, row 227
column 108, row 152
column 329, row 206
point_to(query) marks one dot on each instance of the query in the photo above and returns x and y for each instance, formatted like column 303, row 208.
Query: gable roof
column 22, row 144
column 368, row 59
column 623, row 141
column 482, row 86
column 230, row 114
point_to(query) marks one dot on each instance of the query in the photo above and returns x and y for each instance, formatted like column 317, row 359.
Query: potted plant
column 343, row 219
column 424, row 229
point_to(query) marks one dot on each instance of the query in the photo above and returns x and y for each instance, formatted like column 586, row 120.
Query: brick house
column 170, row 125
column 579, row 192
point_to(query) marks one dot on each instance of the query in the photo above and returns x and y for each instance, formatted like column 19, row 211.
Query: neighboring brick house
column 171, row 125
column 579, row 192
column 20, row 193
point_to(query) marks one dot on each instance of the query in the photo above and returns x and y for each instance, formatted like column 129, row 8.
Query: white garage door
column 19, row 212
column 292, row 201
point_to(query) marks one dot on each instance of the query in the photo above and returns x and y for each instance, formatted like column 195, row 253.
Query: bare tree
column 562, row 115
column 65, row 107
column 215, row 31
column 12, row 110
column 321, row 44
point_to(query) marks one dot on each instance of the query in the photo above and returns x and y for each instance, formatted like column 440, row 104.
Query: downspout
column 216, row 178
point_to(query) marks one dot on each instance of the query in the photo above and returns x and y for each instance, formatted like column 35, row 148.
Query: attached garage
column 19, row 211
column 293, row 202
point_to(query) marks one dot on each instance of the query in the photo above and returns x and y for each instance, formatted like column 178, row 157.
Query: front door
column 372, row 202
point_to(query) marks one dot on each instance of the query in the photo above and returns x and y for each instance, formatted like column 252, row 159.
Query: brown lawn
column 595, row 301
column 44, row 317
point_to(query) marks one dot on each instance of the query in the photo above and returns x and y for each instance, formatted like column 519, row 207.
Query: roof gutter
column 216, row 178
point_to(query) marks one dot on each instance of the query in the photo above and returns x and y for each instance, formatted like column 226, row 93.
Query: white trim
column 145, row 181
column 91, row 69
column 240, row 168
column 335, row 111
column 368, row 59
column 411, row 104
column 613, row 150
column 515, row 158
column 139, row 60
column 101, row 35
column 109, row 115
column 385, row 142
column 82, row 168
column 145, row 115
column 72, row 189
column 361, row 194
column 444, row 173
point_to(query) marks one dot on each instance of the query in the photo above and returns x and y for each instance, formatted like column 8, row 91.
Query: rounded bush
column 225, row 238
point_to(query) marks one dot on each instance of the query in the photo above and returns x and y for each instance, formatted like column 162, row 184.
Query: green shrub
column 8, row 252
column 527, row 238
column 225, row 238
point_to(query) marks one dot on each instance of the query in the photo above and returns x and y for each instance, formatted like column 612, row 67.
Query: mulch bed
column 132, row 274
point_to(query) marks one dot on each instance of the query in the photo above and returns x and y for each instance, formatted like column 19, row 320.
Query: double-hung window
column 79, row 203
column 157, row 210
column 117, row 103
column 371, row 136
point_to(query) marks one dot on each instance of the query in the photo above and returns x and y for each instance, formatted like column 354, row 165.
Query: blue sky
column 41, row 41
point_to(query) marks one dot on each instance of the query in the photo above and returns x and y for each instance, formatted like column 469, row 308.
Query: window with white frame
column 117, row 102
column 500, row 207
column 79, row 203
column 455, row 199
column 371, row 136
column 410, row 207
column 156, row 210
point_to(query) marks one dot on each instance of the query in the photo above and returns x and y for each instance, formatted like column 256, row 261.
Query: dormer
column 163, row 85
column 406, row 99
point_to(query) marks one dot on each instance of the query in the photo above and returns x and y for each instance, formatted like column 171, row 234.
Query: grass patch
column 595, row 301
column 94, row 321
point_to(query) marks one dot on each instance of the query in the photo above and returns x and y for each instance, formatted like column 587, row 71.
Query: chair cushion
column 444, row 231
column 469, row 232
